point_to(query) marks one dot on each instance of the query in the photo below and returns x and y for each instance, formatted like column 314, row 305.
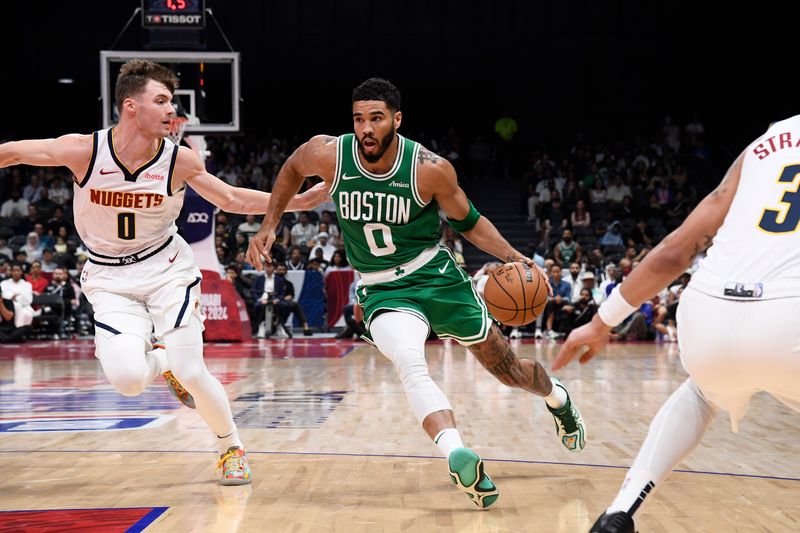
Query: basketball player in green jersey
column 387, row 190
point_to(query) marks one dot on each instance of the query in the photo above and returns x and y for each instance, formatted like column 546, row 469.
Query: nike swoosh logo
column 104, row 173
column 441, row 270
column 173, row 257
column 346, row 177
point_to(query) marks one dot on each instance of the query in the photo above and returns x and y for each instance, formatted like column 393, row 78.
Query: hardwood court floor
column 334, row 447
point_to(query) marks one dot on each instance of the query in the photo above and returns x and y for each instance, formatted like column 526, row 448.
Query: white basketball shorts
column 159, row 293
column 735, row 348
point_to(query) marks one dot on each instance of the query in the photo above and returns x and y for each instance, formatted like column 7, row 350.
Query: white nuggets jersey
column 756, row 252
column 122, row 214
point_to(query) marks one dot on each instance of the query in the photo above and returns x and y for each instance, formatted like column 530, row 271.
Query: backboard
column 209, row 86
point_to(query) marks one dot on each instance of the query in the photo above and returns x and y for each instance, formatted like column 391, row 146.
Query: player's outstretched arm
column 438, row 180
column 665, row 263
column 73, row 151
column 317, row 157
column 189, row 169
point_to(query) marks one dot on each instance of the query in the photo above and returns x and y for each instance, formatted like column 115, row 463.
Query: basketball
column 516, row 294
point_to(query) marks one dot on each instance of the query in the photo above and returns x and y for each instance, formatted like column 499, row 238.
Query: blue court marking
column 147, row 519
column 402, row 456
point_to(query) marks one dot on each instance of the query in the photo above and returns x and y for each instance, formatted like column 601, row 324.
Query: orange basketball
column 516, row 294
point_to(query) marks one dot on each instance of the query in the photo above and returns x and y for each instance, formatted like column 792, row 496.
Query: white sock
column 557, row 397
column 448, row 440
column 226, row 441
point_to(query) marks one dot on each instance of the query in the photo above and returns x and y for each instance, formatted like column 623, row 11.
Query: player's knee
column 411, row 367
column 123, row 362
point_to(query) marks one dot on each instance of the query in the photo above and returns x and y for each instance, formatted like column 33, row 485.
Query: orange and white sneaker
column 235, row 470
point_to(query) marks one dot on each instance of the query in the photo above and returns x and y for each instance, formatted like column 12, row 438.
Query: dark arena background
column 585, row 131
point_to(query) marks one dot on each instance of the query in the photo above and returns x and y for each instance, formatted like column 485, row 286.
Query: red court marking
column 105, row 520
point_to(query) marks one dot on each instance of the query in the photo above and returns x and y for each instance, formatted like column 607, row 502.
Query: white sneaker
column 262, row 331
column 515, row 334
column 538, row 333
column 280, row 332
column 553, row 335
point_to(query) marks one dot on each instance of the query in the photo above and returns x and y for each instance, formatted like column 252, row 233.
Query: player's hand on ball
column 531, row 263
column 260, row 245
column 584, row 342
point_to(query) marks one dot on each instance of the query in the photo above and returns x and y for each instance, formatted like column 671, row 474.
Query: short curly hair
column 134, row 75
column 378, row 89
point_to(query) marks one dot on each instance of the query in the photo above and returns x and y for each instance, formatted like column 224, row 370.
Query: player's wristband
column 615, row 309
column 468, row 222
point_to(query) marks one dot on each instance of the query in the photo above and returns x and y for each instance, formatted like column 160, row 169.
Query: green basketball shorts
column 438, row 292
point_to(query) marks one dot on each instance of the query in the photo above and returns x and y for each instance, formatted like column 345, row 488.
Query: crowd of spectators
column 594, row 211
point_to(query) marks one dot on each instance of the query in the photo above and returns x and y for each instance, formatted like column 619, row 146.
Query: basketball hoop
column 176, row 128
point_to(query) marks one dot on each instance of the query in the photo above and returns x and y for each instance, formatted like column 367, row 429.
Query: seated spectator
column 317, row 263
column 567, row 251
column 573, row 277
column 58, row 221
column 5, row 252
column 249, row 227
column 282, row 235
column 27, row 223
column 295, row 260
column 33, row 247
column 45, row 239
column 240, row 243
column 62, row 286
column 332, row 228
column 285, row 302
column 32, row 191
column 561, row 297
column 580, row 218
column 34, row 277
column 612, row 236
column 326, row 247
column 45, row 205
column 618, row 190
column 338, row 262
column 589, row 283
column 579, row 313
column 15, row 207
column 59, row 193
column 640, row 235
column 20, row 293
column 554, row 217
column 21, row 258
column 353, row 327
column 449, row 234
column 232, row 276
column 9, row 331
column 611, row 279
column 451, row 245
column 597, row 195
column 303, row 231
column 48, row 261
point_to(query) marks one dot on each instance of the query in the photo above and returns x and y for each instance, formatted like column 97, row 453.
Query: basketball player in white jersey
column 141, row 276
column 737, row 325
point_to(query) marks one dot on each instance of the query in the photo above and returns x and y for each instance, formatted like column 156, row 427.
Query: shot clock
column 173, row 14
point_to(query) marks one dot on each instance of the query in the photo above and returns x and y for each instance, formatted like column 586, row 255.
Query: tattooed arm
column 497, row 357
column 438, row 181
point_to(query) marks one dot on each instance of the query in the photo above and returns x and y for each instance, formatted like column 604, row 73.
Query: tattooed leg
column 497, row 357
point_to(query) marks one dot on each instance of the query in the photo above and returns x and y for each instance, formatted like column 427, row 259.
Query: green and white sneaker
column 466, row 473
column 569, row 422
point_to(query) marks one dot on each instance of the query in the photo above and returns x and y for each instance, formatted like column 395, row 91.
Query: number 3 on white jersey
column 386, row 233
column 785, row 219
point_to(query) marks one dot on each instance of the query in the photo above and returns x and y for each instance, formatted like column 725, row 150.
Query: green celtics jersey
column 383, row 219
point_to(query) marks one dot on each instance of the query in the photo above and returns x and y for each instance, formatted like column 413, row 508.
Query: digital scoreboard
column 174, row 14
